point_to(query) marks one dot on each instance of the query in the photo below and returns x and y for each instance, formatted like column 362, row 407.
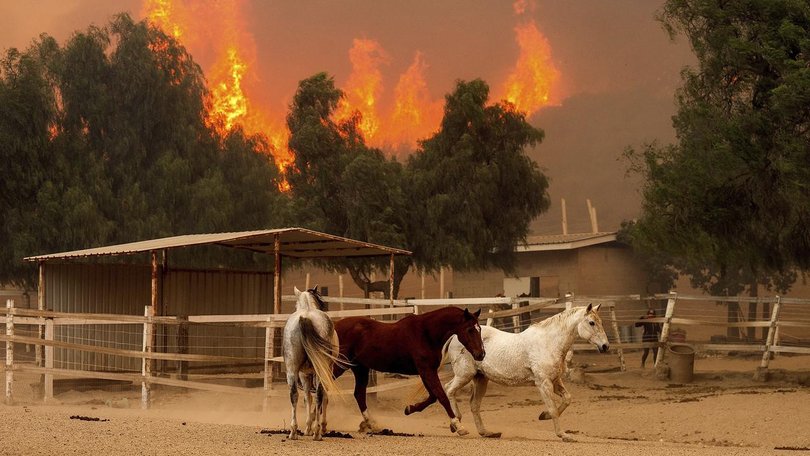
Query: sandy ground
column 613, row 413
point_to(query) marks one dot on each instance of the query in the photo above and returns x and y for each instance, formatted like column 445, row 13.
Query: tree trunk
column 365, row 283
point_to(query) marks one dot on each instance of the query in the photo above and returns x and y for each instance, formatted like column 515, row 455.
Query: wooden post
column 271, row 333
column 163, row 310
column 569, row 303
column 441, row 282
column 39, row 350
column 660, row 370
column 762, row 371
column 182, row 346
column 146, row 365
column 564, row 216
column 515, row 318
column 9, row 351
column 591, row 216
column 617, row 335
column 268, row 365
column 156, row 308
column 48, row 360
column 306, row 282
column 391, row 282
column 340, row 290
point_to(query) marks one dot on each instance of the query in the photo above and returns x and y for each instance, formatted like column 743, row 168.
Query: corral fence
column 235, row 353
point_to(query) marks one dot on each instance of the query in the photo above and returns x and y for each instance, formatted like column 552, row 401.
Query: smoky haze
column 618, row 70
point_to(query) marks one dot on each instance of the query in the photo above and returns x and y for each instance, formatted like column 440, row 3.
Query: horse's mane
column 318, row 299
column 554, row 319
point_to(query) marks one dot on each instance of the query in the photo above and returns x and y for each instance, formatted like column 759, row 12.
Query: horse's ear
column 596, row 309
column 590, row 306
column 477, row 313
column 297, row 292
column 467, row 314
column 315, row 288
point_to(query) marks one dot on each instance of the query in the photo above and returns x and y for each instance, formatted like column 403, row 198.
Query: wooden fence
column 511, row 314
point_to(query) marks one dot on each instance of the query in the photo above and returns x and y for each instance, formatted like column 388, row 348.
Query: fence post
column 182, row 346
column 661, row 371
column 268, row 364
column 618, row 335
column 762, row 371
column 146, row 361
column 9, row 351
column 515, row 318
column 48, row 360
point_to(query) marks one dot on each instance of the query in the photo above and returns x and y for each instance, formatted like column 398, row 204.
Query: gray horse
column 310, row 347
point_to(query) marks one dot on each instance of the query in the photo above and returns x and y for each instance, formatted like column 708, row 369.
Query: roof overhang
column 294, row 242
column 565, row 241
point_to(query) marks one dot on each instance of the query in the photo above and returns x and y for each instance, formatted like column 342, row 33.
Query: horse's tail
column 321, row 353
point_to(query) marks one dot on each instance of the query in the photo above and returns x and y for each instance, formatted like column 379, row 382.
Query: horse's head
column 590, row 328
column 469, row 334
column 309, row 299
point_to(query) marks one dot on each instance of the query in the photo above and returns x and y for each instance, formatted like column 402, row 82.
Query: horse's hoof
column 491, row 435
column 544, row 415
column 567, row 438
column 317, row 438
column 293, row 435
column 364, row 427
column 462, row 431
column 408, row 410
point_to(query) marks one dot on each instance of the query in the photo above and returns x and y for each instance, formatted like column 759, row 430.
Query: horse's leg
column 561, row 397
column 360, row 385
column 306, row 386
column 546, row 387
column 322, row 416
column 320, row 407
column 463, row 373
column 434, row 386
column 294, row 404
column 479, row 390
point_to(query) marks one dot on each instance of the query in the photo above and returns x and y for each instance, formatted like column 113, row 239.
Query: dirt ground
column 723, row 411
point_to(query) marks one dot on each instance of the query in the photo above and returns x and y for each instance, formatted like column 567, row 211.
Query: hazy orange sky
column 618, row 69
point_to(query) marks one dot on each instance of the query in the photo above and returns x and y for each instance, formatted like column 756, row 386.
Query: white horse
column 310, row 348
column 534, row 356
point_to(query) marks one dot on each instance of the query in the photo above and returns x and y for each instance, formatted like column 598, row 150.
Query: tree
column 471, row 188
column 729, row 201
column 464, row 200
column 106, row 142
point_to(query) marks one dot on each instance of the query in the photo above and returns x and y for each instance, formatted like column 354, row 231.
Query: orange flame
column 531, row 83
column 364, row 86
column 415, row 114
column 229, row 105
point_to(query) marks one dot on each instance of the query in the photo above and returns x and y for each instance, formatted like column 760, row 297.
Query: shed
column 81, row 281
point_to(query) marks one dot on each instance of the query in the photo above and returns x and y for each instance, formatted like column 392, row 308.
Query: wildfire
column 532, row 82
column 232, row 52
column 415, row 114
column 364, row 86
column 215, row 32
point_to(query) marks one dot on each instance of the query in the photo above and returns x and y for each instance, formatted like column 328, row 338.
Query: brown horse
column 409, row 346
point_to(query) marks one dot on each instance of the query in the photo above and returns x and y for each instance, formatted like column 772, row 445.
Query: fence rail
column 510, row 314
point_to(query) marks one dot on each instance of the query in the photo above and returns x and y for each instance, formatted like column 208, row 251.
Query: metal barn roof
column 565, row 241
column 295, row 242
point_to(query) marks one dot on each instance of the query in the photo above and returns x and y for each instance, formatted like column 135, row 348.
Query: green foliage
column 730, row 202
column 106, row 142
column 472, row 189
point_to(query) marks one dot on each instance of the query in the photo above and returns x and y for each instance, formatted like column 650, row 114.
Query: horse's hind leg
column 360, row 386
column 546, row 387
column 479, row 390
column 306, row 387
column 294, row 404
column 320, row 410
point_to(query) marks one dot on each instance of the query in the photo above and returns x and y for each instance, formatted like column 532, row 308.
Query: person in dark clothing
column 652, row 331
